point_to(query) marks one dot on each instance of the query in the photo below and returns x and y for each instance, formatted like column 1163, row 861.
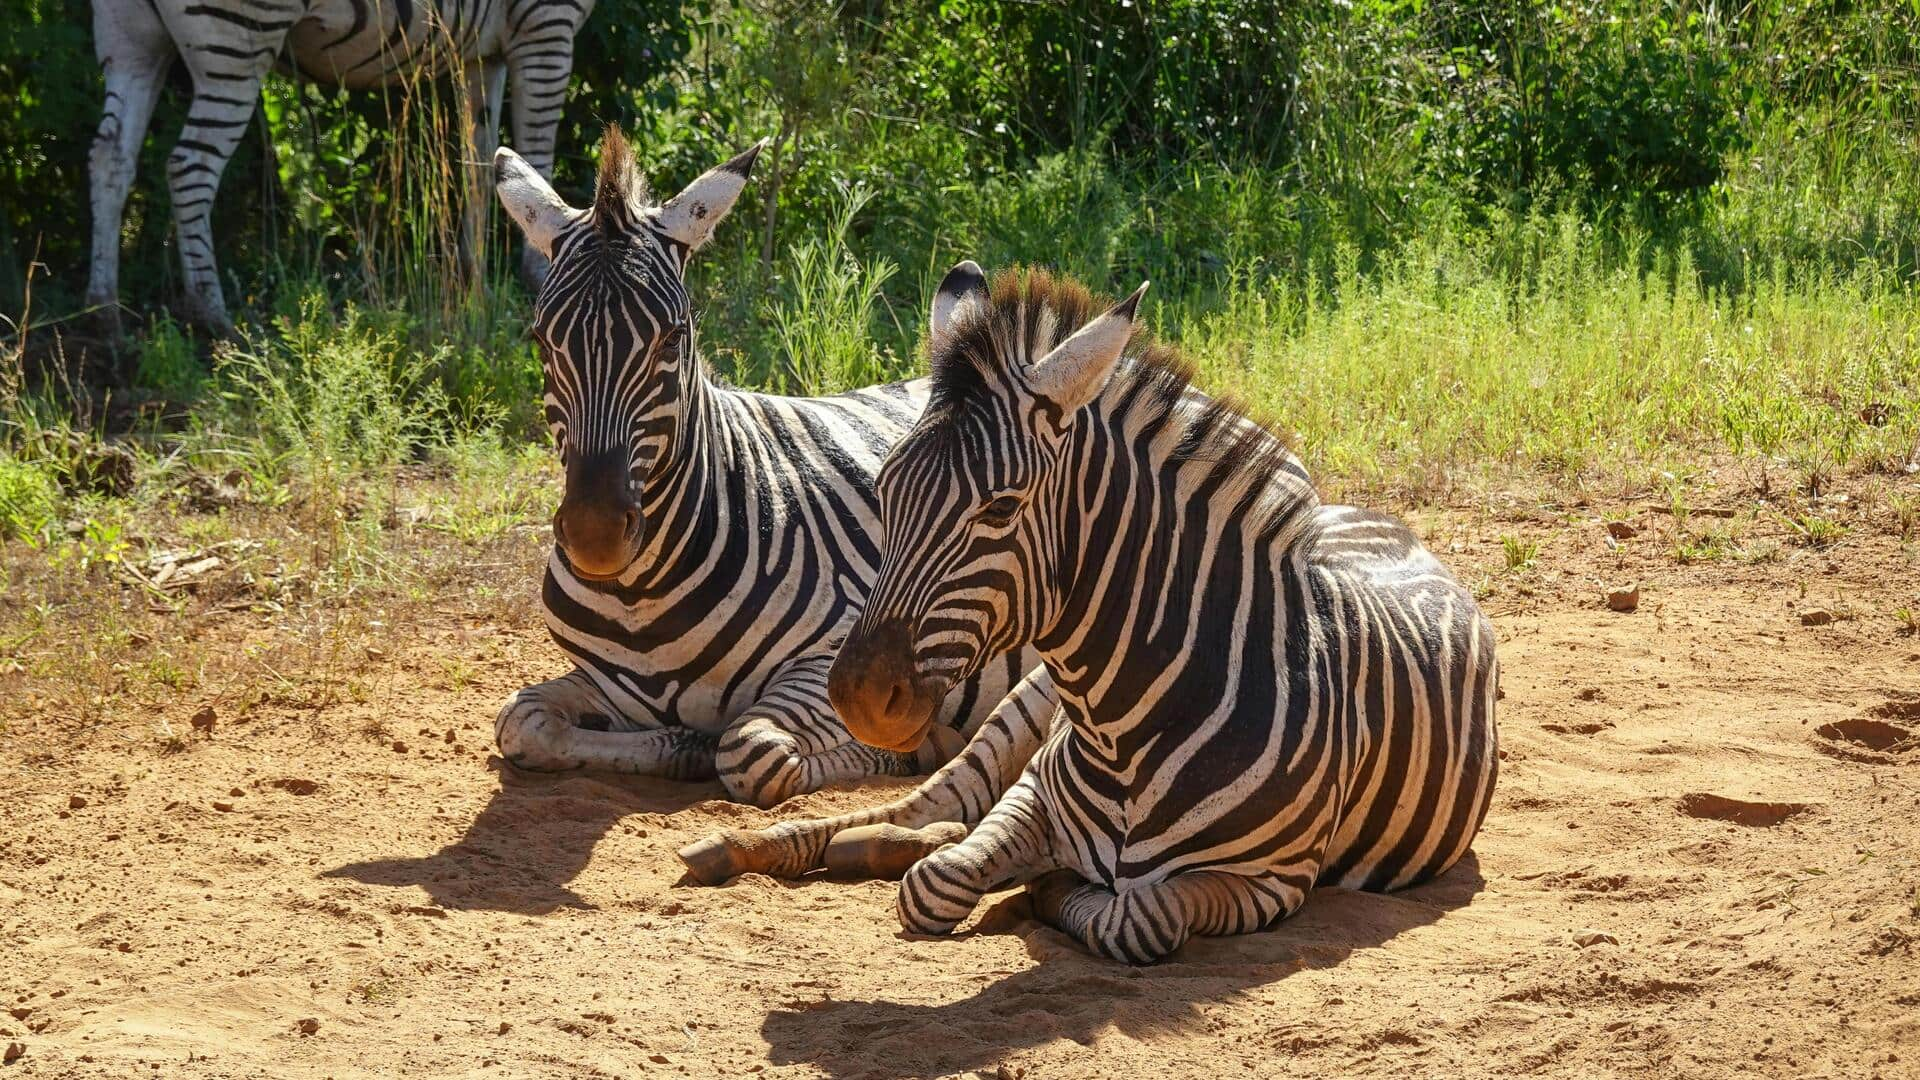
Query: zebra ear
column 530, row 201
column 1076, row 370
column 963, row 289
column 690, row 216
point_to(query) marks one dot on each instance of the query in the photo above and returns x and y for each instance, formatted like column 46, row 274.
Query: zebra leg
column 789, row 742
column 562, row 724
column 1144, row 923
column 486, row 83
column 1012, row 844
column 226, row 87
column 962, row 791
column 134, row 52
column 541, row 63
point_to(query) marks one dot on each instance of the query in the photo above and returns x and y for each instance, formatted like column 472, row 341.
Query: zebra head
column 974, row 501
column 616, row 337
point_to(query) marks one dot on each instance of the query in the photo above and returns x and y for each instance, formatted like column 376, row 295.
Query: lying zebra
column 1258, row 693
column 711, row 546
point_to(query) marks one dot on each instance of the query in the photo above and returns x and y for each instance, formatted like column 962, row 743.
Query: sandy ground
column 1703, row 860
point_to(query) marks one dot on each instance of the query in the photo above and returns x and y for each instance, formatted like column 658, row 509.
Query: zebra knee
column 759, row 764
column 531, row 735
column 934, row 897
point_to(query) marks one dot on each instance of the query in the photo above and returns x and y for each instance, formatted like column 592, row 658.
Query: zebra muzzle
column 874, row 688
column 598, row 523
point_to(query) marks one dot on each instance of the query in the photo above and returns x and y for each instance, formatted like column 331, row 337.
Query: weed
column 1906, row 513
column 1712, row 545
column 1520, row 554
column 166, row 361
column 1815, row 531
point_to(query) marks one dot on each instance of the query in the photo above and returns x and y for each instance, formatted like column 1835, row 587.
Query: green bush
column 29, row 497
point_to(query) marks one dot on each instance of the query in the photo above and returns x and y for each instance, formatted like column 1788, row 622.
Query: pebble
column 1620, row 530
column 1587, row 939
column 307, row 1026
column 14, row 1050
column 1816, row 617
column 76, row 802
column 1624, row 598
column 203, row 720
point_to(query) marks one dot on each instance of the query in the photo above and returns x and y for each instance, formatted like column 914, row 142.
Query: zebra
column 711, row 545
column 1257, row 693
column 229, row 46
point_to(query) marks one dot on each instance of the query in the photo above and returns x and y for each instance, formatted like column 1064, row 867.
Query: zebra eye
column 671, row 339
column 999, row 511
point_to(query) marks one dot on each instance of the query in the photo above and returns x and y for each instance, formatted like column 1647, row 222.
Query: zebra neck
column 1170, row 549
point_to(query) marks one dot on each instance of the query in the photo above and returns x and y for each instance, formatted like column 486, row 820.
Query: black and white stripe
column 712, row 546
column 1258, row 693
column 228, row 47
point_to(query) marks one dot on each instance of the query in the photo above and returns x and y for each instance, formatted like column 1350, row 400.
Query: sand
column 1703, row 860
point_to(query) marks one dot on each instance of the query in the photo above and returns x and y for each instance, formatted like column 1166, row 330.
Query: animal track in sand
column 1873, row 738
column 1705, row 804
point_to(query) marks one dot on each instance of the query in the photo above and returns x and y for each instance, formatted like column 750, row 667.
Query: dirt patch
column 365, row 912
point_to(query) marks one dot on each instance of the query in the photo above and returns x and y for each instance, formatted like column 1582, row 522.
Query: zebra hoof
column 712, row 861
column 884, row 852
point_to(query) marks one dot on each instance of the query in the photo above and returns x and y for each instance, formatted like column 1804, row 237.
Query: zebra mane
column 620, row 191
column 1029, row 311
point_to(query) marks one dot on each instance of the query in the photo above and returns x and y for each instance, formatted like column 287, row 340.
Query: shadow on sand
column 1073, row 995
column 535, row 834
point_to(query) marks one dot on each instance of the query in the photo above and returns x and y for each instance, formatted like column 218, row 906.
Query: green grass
column 1442, row 364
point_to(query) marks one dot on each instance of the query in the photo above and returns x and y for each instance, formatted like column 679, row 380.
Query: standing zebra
column 711, row 546
column 228, row 47
column 1258, row 693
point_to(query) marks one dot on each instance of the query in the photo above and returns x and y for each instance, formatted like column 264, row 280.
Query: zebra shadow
column 536, row 834
column 1073, row 995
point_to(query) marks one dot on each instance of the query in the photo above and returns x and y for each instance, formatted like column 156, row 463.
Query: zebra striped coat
column 712, row 546
column 228, row 47
column 1258, row 693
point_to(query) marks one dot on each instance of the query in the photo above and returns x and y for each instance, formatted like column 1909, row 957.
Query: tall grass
column 827, row 315
column 1448, row 364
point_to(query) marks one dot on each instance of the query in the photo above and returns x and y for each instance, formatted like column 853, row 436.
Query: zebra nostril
column 897, row 698
column 560, row 530
column 632, row 523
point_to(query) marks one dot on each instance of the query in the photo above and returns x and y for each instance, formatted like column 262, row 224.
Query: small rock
column 203, row 720
column 1816, row 617
column 505, row 1027
column 1621, row 530
column 399, row 747
column 1587, row 939
column 1624, row 598
column 375, row 652
column 14, row 1050
column 21, row 1012
column 223, row 807
column 307, row 1026
column 235, row 792
column 658, row 1059
column 76, row 802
